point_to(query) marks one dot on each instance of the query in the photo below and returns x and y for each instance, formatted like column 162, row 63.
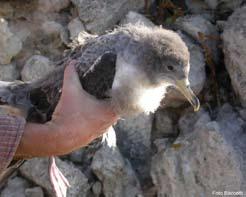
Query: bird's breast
column 149, row 98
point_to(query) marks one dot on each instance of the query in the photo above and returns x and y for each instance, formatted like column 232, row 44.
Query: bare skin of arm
column 78, row 119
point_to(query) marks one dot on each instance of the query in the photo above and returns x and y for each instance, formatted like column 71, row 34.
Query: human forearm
column 37, row 140
column 56, row 138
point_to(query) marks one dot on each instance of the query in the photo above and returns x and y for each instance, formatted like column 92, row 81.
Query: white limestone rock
column 10, row 45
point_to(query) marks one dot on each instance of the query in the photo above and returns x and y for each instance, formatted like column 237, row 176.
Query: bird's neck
column 132, row 93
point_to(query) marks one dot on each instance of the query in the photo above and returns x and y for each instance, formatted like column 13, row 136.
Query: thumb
column 71, row 88
column 71, row 78
column 72, row 85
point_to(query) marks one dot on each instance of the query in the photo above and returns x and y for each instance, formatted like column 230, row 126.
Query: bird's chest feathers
column 149, row 98
column 133, row 92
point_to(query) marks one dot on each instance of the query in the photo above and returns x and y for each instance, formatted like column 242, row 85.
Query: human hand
column 78, row 119
column 78, row 114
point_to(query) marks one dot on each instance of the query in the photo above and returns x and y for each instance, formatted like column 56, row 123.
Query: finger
column 74, row 95
column 71, row 78
column 72, row 83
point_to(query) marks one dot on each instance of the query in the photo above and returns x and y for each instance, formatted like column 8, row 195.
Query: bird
column 131, row 66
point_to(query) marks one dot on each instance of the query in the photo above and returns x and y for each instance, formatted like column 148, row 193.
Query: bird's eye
column 170, row 68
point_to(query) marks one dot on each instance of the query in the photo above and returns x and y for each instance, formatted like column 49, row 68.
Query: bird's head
column 164, row 58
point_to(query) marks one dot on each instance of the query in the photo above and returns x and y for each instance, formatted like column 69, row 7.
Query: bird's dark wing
column 99, row 78
column 38, row 99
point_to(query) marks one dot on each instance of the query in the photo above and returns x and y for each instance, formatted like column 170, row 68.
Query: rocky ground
column 174, row 152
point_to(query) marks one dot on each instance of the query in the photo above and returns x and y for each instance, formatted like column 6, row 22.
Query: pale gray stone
column 163, row 125
column 115, row 173
column 37, row 171
column 75, row 26
column 136, row 18
column 52, row 5
column 242, row 113
column 34, row 192
column 97, row 188
column 56, row 33
column 234, row 47
column 10, row 45
column 226, row 5
column 196, row 6
column 210, row 157
column 190, row 119
column 101, row 15
column 51, row 27
column 233, row 127
column 162, row 144
column 22, row 30
column 15, row 187
column 6, row 10
column 203, row 31
column 134, row 141
column 9, row 72
column 36, row 67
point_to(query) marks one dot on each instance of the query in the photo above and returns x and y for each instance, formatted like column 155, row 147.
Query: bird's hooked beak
column 184, row 88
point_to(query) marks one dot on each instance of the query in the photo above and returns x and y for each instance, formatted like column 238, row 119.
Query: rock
column 242, row 113
column 48, row 39
column 75, row 27
column 197, row 75
column 51, row 27
column 34, row 192
column 115, row 173
column 220, row 25
column 101, row 15
column 233, row 127
column 163, row 125
column 24, row 31
column 196, row 6
column 190, row 119
column 9, row 72
column 6, row 10
column 97, row 188
column 211, row 157
column 52, row 5
column 136, row 18
column 10, row 45
column 55, row 33
column 21, row 29
column 234, row 48
column 134, row 142
column 15, row 187
column 203, row 31
column 224, row 6
column 36, row 67
column 77, row 155
column 161, row 144
column 37, row 171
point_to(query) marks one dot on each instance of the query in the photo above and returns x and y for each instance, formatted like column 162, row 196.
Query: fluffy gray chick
column 132, row 66
column 148, row 60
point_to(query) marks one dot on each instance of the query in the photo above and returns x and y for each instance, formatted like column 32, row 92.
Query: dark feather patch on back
column 99, row 78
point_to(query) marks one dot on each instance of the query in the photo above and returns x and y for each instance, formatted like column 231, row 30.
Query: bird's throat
column 150, row 98
column 129, row 100
column 132, row 92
